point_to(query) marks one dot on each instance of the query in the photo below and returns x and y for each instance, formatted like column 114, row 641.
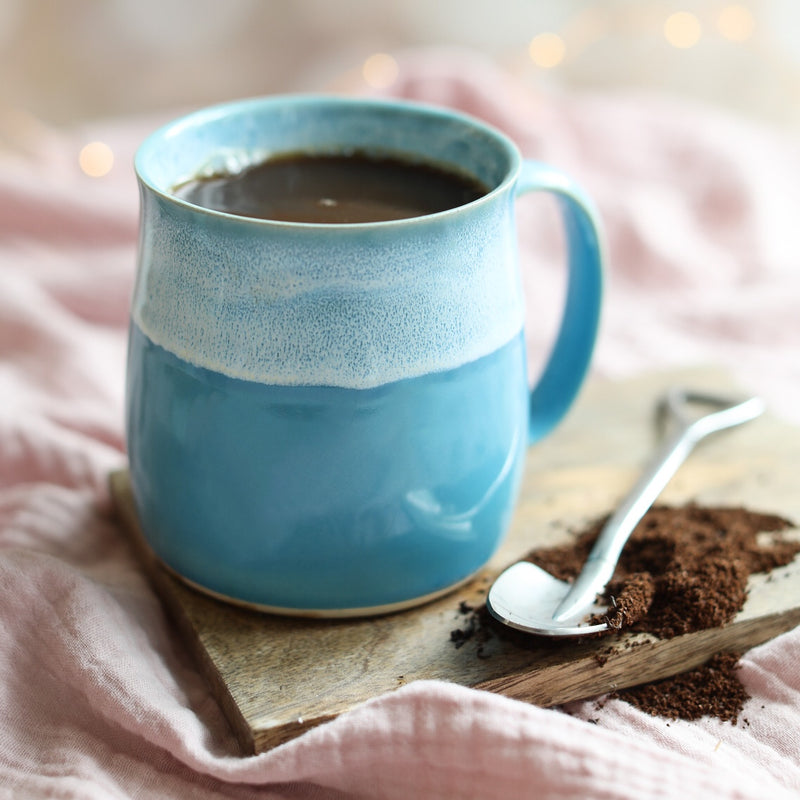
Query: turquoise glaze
column 380, row 494
column 333, row 418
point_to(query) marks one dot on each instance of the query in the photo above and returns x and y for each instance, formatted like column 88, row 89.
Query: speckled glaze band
column 339, row 313
column 332, row 419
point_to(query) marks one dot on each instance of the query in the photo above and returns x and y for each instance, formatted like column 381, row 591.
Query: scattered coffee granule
column 712, row 690
column 684, row 569
column 476, row 627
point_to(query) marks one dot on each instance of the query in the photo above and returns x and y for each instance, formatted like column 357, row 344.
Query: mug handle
column 566, row 366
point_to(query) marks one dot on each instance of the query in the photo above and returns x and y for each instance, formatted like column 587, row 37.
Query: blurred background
column 63, row 62
column 83, row 81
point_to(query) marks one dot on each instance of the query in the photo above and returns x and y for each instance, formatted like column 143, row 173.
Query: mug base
column 318, row 613
column 122, row 497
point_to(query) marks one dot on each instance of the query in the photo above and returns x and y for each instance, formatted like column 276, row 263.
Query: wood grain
column 276, row 677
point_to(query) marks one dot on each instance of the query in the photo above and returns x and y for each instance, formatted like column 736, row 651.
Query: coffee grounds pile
column 713, row 690
column 684, row 569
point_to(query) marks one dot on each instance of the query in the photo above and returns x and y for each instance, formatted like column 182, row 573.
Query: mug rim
column 210, row 113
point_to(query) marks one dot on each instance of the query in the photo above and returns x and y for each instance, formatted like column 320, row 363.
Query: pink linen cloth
column 99, row 699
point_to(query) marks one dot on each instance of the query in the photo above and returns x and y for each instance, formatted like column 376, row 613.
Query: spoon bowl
column 526, row 597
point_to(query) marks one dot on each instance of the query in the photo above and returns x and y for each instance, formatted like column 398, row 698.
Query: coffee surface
column 334, row 189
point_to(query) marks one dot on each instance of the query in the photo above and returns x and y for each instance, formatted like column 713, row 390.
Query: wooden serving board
column 276, row 677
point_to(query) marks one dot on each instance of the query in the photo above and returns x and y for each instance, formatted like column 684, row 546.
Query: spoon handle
column 605, row 553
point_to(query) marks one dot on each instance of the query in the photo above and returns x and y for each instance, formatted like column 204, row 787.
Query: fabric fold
column 99, row 698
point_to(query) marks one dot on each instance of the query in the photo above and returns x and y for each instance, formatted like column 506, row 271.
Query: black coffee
column 336, row 189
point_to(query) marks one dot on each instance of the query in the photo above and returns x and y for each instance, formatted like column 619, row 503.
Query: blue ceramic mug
column 332, row 419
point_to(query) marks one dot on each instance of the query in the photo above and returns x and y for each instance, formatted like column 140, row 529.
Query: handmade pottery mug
column 332, row 419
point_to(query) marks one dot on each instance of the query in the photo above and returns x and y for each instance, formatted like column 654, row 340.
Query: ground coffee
column 684, row 569
column 712, row 690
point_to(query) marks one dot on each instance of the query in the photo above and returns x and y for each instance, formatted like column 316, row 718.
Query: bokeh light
column 547, row 50
column 735, row 22
column 380, row 70
column 96, row 159
column 682, row 29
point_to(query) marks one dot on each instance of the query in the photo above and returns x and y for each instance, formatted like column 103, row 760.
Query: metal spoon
column 530, row 599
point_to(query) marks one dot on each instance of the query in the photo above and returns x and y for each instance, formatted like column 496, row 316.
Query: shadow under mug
column 332, row 419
